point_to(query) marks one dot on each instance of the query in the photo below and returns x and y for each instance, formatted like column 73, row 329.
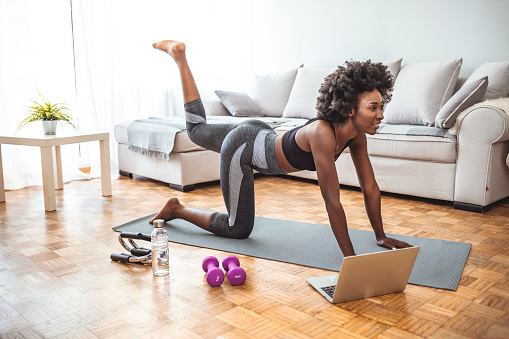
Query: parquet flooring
column 57, row 280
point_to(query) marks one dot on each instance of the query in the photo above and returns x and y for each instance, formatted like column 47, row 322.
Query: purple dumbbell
column 215, row 275
column 236, row 274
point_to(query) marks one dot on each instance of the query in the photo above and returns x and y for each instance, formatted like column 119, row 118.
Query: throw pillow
column 394, row 66
column 420, row 91
column 469, row 94
column 498, row 75
column 271, row 91
column 302, row 101
column 239, row 104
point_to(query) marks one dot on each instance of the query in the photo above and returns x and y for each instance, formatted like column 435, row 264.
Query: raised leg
column 2, row 189
column 104, row 146
column 57, row 165
column 177, row 50
column 48, row 179
column 208, row 136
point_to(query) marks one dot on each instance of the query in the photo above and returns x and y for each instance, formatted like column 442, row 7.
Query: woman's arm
column 371, row 192
column 322, row 144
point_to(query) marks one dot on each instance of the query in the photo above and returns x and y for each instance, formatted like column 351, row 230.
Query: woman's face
column 369, row 113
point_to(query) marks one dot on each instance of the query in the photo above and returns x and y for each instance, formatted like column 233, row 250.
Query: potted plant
column 48, row 113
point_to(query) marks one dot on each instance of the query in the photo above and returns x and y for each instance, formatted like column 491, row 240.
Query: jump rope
column 210, row 265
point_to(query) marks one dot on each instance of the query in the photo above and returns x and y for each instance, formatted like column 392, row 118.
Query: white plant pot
column 50, row 127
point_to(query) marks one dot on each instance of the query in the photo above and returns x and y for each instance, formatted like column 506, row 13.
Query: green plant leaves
column 46, row 111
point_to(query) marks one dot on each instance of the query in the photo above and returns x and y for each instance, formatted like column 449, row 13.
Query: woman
column 349, row 106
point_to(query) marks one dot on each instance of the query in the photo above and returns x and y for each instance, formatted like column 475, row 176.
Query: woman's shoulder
column 319, row 124
column 320, row 129
column 320, row 133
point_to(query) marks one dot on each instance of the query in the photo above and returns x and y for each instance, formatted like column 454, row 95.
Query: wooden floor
column 57, row 280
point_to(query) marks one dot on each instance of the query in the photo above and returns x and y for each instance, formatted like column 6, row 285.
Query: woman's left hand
column 392, row 243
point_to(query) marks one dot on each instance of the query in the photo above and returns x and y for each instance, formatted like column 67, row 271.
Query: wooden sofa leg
column 186, row 188
column 470, row 207
column 126, row 174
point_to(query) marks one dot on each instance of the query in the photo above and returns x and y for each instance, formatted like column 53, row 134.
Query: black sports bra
column 295, row 155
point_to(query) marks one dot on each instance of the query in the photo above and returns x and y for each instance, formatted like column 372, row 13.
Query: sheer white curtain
column 119, row 76
column 35, row 55
column 115, row 77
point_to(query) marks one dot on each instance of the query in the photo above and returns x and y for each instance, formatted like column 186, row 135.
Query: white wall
column 325, row 33
column 229, row 40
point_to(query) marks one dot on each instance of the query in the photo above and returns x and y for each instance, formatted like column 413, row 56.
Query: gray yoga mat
column 439, row 263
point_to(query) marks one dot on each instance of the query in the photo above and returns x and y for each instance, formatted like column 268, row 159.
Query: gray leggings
column 243, row 147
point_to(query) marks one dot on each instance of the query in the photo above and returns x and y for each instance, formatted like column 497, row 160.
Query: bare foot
column 168, row 211
column 174, row 48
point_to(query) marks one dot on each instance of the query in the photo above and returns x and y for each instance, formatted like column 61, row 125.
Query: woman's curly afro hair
column 340, row 91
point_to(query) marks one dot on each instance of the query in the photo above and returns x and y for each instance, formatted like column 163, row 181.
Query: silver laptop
column 368, row 275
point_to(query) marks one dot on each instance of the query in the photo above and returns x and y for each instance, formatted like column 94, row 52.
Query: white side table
column 52, row 165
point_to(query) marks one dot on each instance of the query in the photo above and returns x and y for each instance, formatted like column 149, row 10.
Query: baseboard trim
column 186, row 188
column 125, row 174
column 470, row 207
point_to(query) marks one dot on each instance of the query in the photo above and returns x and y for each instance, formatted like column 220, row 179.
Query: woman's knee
column 242, row 232
column 192, row 130
column 220, row 226
column 236, row 232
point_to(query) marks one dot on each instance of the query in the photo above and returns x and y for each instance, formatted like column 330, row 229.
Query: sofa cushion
column 394, row 66
column 459, row 84
column 412, row 147
column 469, row 94
column 182, row 142
column 407, row 142
column 239, row 104
column 271, row 91
column 302, row 101
column 420, row 91
column 402, row 144
column 498, row 77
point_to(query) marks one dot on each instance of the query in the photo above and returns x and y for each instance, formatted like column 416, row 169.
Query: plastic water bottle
column 159, row 241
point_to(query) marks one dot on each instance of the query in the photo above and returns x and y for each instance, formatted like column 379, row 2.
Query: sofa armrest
column 215, row 107
column 482, row 175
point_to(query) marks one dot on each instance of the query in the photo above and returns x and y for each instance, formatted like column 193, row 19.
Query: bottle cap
column 159, row 223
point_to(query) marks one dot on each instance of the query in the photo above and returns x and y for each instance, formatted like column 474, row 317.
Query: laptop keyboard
column 329, row 290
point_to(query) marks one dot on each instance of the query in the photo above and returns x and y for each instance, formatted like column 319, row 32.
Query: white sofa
column 470, row 170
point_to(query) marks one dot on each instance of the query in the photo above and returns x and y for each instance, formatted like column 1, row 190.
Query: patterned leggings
column 243, row 147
